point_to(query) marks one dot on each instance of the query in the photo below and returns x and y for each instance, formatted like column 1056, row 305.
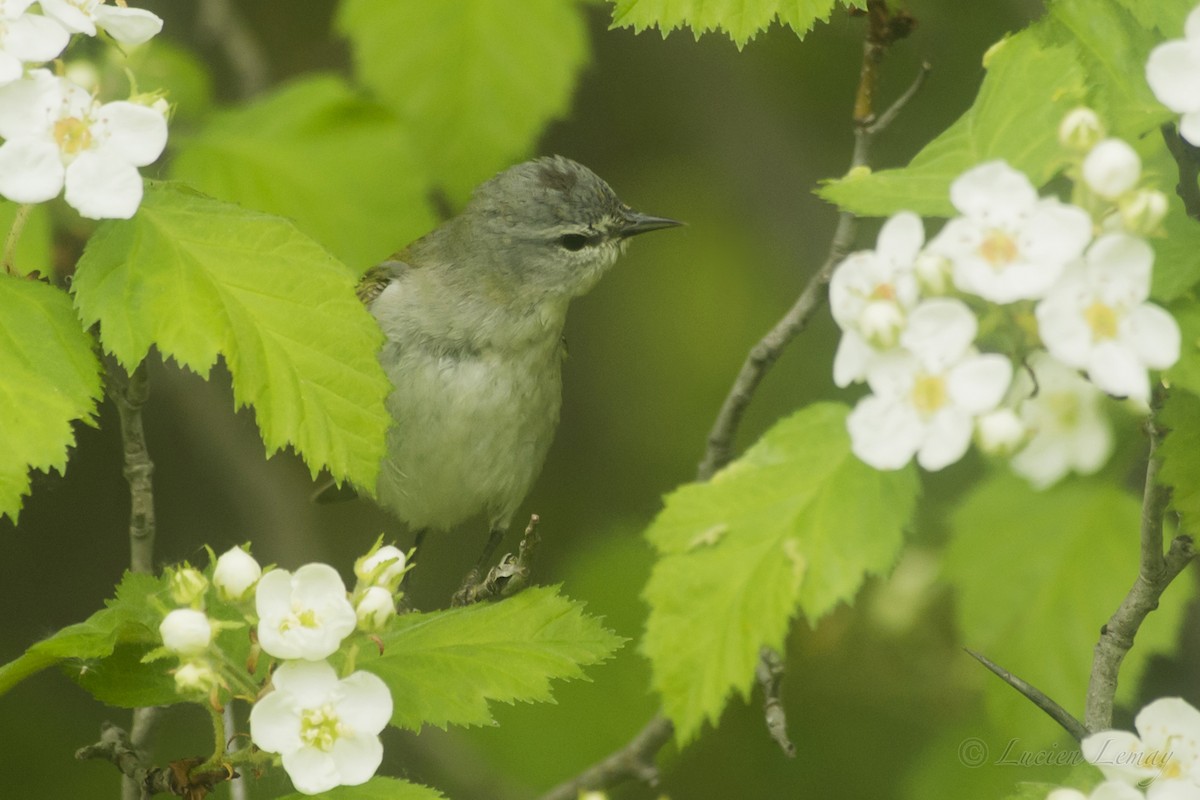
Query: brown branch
column 634, row 760
column 1155, row 574
column 1035, row 696
column 174, row 779
column 1187, row 159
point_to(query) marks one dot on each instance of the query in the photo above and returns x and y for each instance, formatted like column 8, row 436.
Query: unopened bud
column 384, row 567
column 188, row 586
column 880, row 323
column 1080, row 130
column 186, row 632
column 1112, row 168
column 236, row 572
column 1000, row 432
column 933, row 272
column 196, row 678
column 375, row 609
column 1143, row 211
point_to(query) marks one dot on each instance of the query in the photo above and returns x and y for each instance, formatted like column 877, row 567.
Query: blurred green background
column 882, row 701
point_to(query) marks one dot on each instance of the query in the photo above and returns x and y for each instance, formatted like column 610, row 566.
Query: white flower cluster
column 324, row 728
column 1173, row 72
column 56, row 133
column 1162, row 762
column 1039, row 282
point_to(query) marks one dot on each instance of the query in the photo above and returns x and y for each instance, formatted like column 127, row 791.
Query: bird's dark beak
column 636, row 222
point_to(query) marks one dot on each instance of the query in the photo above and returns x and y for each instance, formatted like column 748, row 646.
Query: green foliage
column 1036, row 574
column 1180, row 454
column 444, row 667
column 795, row 523
column 740, row 19
column 1166, row 15
column 377, row 789
column 473, row 82
column 130, row 618
column 198, row 278
column 313, row 151
column 1028, row 88
column 1176, row 254
column 33, row 248
column 1186, row 372
column 50, row 379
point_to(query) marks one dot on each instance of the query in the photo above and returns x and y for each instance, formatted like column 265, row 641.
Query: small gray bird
column 473, row 313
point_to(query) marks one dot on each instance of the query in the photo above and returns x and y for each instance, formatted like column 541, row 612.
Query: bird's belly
column 470, row 435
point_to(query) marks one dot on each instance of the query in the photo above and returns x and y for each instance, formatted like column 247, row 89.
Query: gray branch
column 634, row 760
column 1035, row 696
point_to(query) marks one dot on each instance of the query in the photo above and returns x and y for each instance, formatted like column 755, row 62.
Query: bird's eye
column 573, row 241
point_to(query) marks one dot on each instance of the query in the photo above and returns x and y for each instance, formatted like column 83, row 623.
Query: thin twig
column 173, row 779
column 1035, row 696
column 129, row 393
column 634, row 760
column 769, row 674
column 1187, row 159
column 1155, row 573
column 14, row 236
column 509, row 576
column 226, row 29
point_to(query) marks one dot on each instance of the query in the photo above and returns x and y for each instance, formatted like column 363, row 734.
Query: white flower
column 186, row 632
column 927, row 394
column 374, row 609
column 1166, row 754
column 325, row 729
column 1112, row 168
column 1097, row 318
column 1008, row 245
column 59, row 134
column 26, row 39
column 1069, row 427
column 871, row 293
column 303, row 615
column 1173, row 72
column 126, row 25
column 383, row 568
column 1000, row 432
column 236, row 572
column 1109, row 790
column 1080, row 129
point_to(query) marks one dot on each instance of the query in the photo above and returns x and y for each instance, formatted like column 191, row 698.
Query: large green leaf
column 1166, row 15
column 33, row 248
column 198, row 278
column 1180, row 452
column 796, row 523
column 341, row 167
column 49, row 377
column 740, row 19
column 1177, row 254
column 1036, row 574
column 1028, row 88
column 378, row 788
column 473, row 81
column 444, row 667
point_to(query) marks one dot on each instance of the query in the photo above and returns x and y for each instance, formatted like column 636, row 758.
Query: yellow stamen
column 1102, row 319
column 73, row 135
column 928, row 393
column 998, row 248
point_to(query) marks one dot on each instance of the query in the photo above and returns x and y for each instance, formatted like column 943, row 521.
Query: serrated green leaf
column 444, row 667
column 130, row 618
column 1186, row 371
column 1113, row 49
column 741, row 20
column 313, row 151
column 378, row 788
column 1177, row 254
column 1028, row 88
column 1166, row 15
column 33, row 248
column 1180, row 454
column 796, row 523
column 198, row 278
column 472, row 81
column 1036, row 574
column 49, row 377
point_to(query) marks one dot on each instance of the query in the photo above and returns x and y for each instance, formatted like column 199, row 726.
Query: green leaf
column 1177, row 254
column 130, row 618
column 1036, row 574
column 797, row 521
column 740, row 19
column 313, row 151
column 1028, row 88
column 33, row 248
column 1186, row 372
column 378, row 788
column 444, row 667
column 1166, row 15
column 1180, row 454
column 198, row 278
column 473, row 81
column 49, row 377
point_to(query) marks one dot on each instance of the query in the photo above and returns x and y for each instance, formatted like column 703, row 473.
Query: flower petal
column 366, row 702
column 1119, row 755
column 133, row 133
column 883, row 433
column 1171, row 72
column 1116, row 369
column 1154, row 335
column 947, row 437
column 101, row 188
column 978, row 384
column 31, row 171
column 900, row 239
column 275, row 723
column 1168, row 722
column 1061, row 325
column 34, row 38
column 993, row 193
column 128, row 25
column 939, row 332
column 1118, row 268
column 1055, row 233
column 312, row 770
column 1042, row 462
column 69, row 16
column 851, row 360
column 308, row 683
column 1189, row 127
column 357, row 758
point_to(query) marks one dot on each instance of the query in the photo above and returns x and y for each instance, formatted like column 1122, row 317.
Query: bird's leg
column 468, row 592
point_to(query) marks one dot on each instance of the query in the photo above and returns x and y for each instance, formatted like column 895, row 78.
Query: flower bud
column 933, row 272
column 880, row 323
column 383, row 568
column 236, row 572
column 188, row 586
column 1080, row 130
column 375, row 609
column 1000, row 432
column 196, row 678
column 1143, row 211
column 1112, row 168
column 186, row 631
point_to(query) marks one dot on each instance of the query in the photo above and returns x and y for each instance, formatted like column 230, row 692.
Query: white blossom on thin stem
column 927, row 393
column 1173, row 72
column 1164, row 756
column 326, row 730
column 1065, row 416
column 186, row 632
column 871, row 293
column 383, row 567
column 1112, row 168
column 58, row 135
column 1097, row 319
column 1008, row 244
column 235, row 574
column 127, row 25
column 26, row 39
column 305, row 614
